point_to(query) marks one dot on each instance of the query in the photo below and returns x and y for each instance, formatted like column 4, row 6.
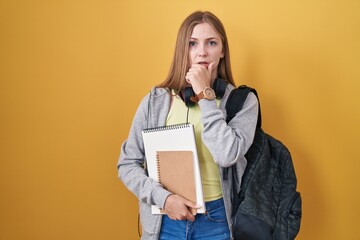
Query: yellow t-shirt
column 209, row 169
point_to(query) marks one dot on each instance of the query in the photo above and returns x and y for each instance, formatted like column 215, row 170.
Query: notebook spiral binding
column 158, row 168
column 170, row 127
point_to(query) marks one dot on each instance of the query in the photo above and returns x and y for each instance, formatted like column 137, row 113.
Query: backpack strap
column 236, row 101
column 234, row 104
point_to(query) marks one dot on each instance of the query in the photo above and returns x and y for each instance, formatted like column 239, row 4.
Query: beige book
column 176, row 173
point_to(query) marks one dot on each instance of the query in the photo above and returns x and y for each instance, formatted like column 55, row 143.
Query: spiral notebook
column 170, row 143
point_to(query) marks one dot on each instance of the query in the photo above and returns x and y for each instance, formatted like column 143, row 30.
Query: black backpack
column 268, row 205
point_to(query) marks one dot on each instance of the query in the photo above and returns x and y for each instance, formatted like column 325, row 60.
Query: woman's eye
column 192, row 43
column 212, row 43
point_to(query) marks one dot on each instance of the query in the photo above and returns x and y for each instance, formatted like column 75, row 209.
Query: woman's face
column 205, row 46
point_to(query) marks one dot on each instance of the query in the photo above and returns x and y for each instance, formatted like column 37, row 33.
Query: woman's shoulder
column 159, row 91
column 156, row 93
column 229, row 88
column 155, row 98
column 250, row 100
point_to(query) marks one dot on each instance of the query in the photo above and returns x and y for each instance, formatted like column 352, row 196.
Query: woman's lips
column 205, row 64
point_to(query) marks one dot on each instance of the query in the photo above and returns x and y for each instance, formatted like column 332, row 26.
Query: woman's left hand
column 199, row 76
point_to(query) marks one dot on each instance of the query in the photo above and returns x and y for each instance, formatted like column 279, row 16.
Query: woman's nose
column 202, row 51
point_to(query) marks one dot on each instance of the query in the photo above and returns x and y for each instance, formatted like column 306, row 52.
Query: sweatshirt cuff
column 159, row 196
column 207, row 104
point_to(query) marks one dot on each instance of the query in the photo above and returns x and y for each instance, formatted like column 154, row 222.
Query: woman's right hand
column 178, row 208
column 200, row 76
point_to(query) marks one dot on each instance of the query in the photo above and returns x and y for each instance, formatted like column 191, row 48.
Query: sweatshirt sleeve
column 132, row 161
column 228, row 143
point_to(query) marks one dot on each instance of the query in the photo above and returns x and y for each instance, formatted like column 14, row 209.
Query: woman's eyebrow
column 210, row 38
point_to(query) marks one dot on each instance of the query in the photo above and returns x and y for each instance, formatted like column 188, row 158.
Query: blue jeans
column 209, row 226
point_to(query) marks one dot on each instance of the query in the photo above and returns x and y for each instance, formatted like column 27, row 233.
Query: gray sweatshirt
column 227, row 143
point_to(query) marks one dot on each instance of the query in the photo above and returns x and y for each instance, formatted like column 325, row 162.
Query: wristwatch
column 208, row 93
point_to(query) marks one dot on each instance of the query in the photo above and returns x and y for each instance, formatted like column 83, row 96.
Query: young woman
column 195, row 91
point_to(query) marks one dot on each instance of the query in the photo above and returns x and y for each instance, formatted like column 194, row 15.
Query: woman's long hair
column 180, row 62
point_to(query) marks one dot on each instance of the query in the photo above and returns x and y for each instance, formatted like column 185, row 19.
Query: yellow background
column 73, row 72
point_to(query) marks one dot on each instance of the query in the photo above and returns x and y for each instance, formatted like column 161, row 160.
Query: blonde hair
column 180, row 62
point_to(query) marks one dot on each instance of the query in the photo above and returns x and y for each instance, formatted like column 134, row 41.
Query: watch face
column 209, row 93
